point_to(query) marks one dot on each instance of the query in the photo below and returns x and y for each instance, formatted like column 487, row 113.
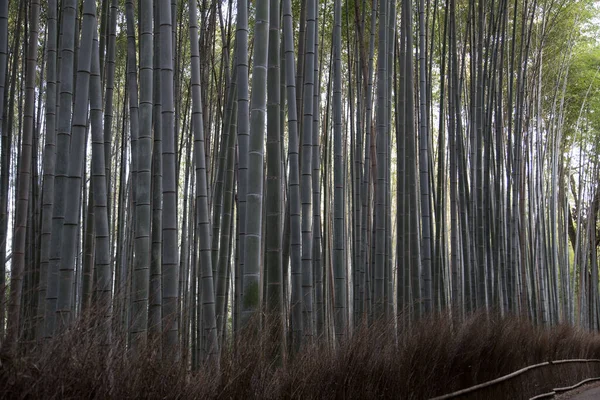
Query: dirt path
column 585, row 392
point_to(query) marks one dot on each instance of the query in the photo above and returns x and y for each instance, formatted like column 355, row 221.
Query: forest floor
column 432, row 357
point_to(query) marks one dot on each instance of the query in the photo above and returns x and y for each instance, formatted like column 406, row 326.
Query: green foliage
column 570, row 46
column 583, row 94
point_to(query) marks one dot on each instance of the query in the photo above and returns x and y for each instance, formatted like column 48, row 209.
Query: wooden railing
column 534, row 381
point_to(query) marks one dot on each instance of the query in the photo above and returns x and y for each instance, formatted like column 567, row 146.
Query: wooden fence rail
column 532, row 381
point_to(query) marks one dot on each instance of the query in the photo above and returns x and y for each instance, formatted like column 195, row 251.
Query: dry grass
column 431, row 358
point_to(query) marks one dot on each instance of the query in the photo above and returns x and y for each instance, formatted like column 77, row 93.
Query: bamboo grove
column 191, row 170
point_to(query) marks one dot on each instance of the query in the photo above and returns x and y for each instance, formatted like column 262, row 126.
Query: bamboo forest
column 297, row 198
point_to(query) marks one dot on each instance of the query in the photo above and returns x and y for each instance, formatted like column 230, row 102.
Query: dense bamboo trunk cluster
column 293, row 170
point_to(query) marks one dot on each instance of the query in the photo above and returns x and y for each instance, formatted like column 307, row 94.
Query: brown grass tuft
column 431, row 358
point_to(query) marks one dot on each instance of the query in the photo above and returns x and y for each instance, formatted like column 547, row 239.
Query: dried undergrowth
column 432, row 357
